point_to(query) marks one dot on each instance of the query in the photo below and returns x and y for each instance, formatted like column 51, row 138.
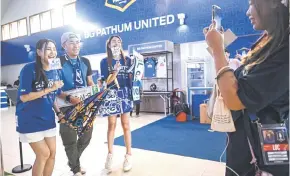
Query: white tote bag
column 211, row 102
column 222, row 120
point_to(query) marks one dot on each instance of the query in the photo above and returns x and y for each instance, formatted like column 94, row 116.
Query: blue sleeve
column 26, row 80
column 104, row 69
column 58, row 91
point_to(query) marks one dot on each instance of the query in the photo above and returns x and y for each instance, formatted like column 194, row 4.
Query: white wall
column 195, row 50
column 18, row 9
column 10, row 73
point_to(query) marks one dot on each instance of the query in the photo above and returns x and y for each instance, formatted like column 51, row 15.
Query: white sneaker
column 78, row 174
column 83, row 171
column 109, row 162
column 127, row 166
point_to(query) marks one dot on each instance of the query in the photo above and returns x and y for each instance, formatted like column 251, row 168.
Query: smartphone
column 216, row 16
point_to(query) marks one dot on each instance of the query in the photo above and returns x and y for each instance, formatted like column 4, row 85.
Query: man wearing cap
column 76, row 73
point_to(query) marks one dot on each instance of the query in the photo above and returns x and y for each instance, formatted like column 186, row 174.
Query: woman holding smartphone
column 258, row 89
column 119, row 100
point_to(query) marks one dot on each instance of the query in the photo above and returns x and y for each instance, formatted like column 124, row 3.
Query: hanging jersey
column 161, row 67
column 150, row 67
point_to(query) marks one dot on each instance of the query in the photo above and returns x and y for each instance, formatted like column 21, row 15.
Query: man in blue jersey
column 76, row 73
column 150, row 67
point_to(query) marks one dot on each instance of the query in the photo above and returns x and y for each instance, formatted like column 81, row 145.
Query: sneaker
column 127, row 166
column 109, row 162
column 83, row 171
column 78, row 174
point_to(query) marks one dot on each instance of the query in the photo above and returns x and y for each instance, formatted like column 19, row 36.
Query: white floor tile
column 145, row 163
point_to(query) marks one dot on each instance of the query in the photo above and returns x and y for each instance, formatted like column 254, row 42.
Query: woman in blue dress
column 34, row 110
column 118, row 101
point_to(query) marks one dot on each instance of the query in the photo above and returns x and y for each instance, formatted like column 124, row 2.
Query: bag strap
column 254, row 159
column 249, row 138
column 217, row 90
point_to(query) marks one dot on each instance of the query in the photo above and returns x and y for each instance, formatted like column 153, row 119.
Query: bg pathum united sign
column 120, row 5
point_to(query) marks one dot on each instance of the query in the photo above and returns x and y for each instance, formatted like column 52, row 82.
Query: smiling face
column 263, row 14
column 47, row 52
column 115, row 46
column 254, row 17
column 72, row 47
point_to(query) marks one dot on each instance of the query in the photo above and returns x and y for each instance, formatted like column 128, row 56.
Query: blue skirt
column 117, row 102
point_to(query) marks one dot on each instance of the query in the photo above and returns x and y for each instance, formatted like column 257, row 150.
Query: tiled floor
column 146, row 163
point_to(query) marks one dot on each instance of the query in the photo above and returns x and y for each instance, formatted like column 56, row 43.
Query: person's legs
column 127, row 136
column 127, row 132
column 42, row 153
column 137, row 109
column 84, row 141
column 110, row 138
column 51, row 143
column 82, row 144
column 69, row 140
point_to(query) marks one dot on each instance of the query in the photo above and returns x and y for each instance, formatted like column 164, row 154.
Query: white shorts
column 37, row 136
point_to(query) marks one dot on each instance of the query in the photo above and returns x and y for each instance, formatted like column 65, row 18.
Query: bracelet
column 67, row 98
column 222, row 69
column 222, row 72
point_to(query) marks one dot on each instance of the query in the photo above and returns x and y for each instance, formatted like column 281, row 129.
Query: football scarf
column 138, row 74
column 78, row 75
column 81, row 117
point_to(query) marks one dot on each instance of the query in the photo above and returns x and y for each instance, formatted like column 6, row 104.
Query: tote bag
column 222, row 120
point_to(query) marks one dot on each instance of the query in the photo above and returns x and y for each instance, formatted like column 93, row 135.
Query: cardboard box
column 203, row 114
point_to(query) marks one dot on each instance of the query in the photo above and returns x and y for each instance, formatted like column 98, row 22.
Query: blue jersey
column 123, row 75
column 36, row 115
column 150, row 67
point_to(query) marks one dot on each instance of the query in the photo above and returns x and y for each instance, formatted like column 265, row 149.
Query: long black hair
column 277, row 23
column 40, row 74
column 110, row 54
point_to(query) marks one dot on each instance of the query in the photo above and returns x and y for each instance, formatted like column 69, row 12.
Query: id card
column 54, row 64
column 274, row 143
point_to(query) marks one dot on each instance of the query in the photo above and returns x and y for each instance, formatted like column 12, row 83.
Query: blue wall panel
column 198, row 16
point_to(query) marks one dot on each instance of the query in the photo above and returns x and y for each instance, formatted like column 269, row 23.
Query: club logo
column 120, row 5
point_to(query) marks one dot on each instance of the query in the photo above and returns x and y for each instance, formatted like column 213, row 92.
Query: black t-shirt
column 264, row 90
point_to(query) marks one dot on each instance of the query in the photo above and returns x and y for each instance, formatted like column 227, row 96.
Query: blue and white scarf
column 78, row 74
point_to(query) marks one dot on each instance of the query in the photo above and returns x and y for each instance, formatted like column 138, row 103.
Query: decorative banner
column 82, row 94
column 138, row 66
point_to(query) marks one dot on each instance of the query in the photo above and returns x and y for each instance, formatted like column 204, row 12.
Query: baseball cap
column 67, row 36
